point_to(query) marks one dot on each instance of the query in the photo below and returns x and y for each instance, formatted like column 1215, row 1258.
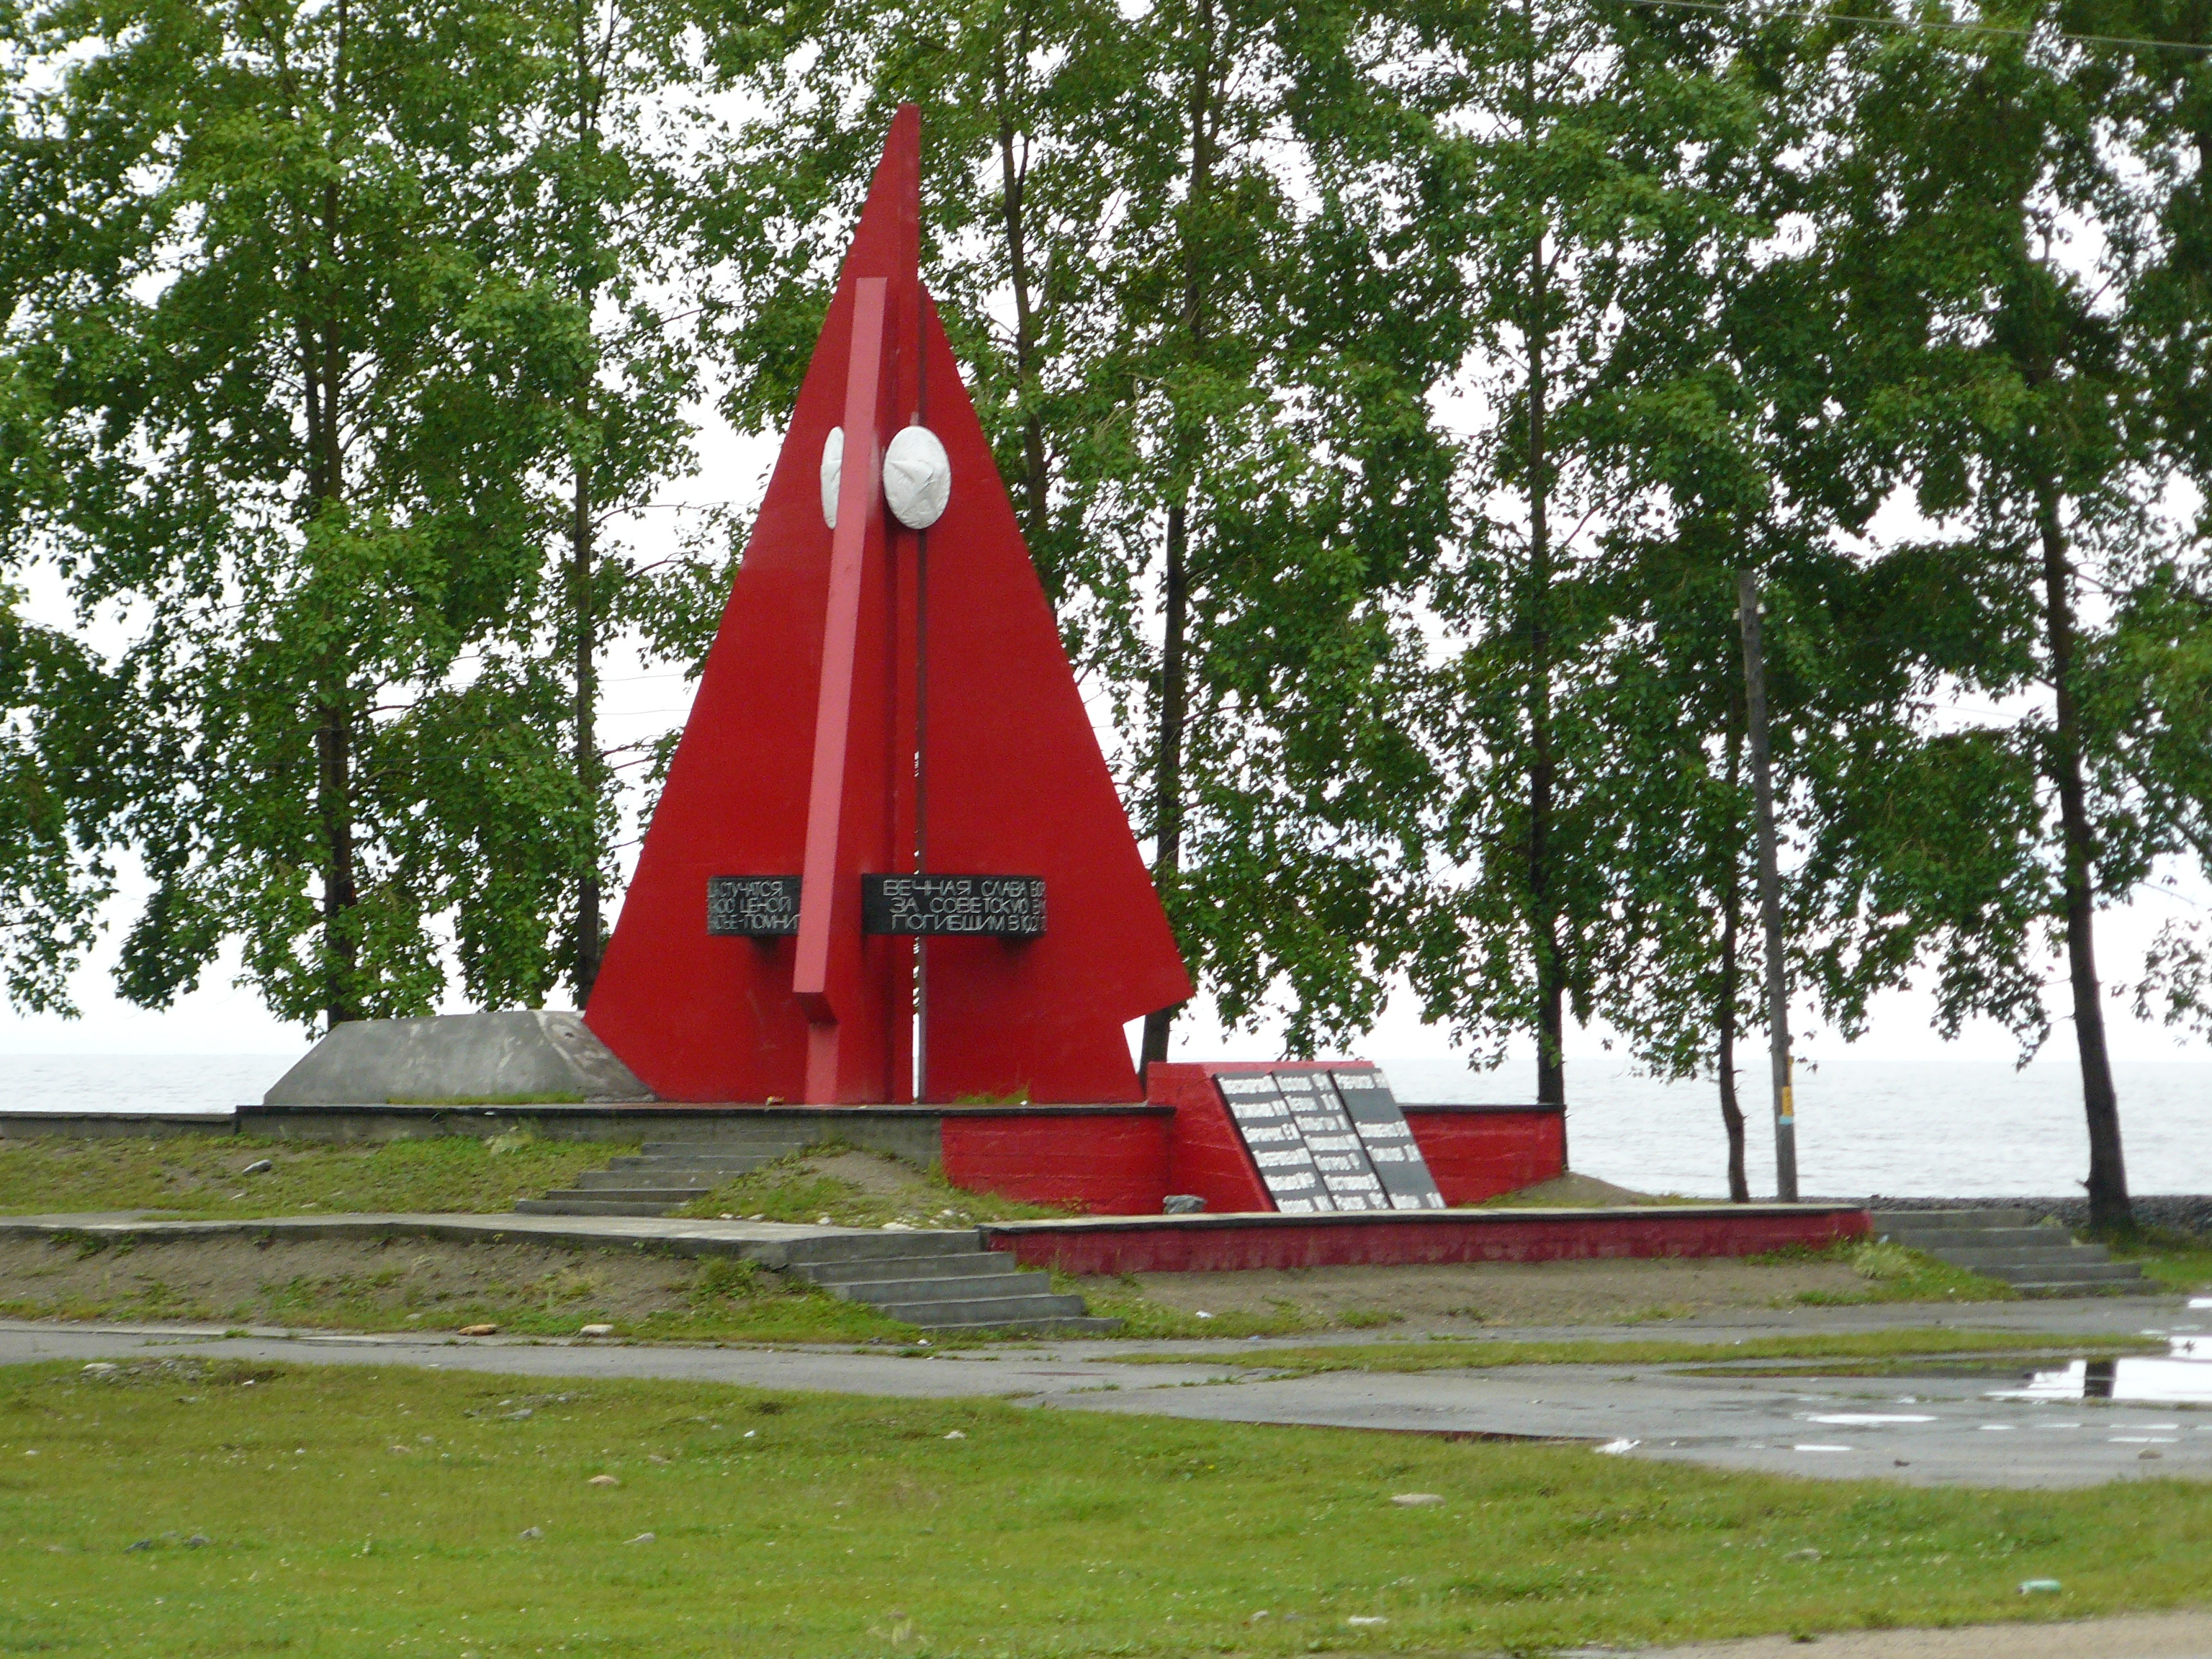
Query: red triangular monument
column 886, row 701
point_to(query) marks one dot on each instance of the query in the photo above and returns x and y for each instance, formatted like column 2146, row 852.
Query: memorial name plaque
column 753, row 906
column 1339, row 1153
column 1278, row 1151
column 1391, row 1148
column 1005, row 907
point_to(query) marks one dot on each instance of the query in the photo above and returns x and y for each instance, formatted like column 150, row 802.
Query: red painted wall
column 1203, row 1244
column 1105, row 1164
column 1126, row 1164
column 1478, row 1155
column 1206, row 1155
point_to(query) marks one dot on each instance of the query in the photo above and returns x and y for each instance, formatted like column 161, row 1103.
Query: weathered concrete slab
column 768, row 1243
column 513, row 1057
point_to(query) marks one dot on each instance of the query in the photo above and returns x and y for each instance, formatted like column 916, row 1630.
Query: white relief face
column 917, row 477
column 833, row 473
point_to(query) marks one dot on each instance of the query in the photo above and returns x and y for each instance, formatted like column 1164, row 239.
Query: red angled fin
column 799, row 760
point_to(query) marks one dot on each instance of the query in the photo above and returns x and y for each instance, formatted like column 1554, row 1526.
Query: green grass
column 1891, row 1273
column 528, row 1292
column 2180, row 1261
column 1467, row 1353
column 350, row 1511
column 195, row 1176
column 786, row 1190
column 1123, row 1298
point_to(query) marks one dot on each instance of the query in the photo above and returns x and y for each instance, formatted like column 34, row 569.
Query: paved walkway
column 2137, row 1636
column 1934, row 1429
column 761, row 1239
column 1938, row 1429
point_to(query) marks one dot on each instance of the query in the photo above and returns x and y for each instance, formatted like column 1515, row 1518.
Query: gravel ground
column 223, row 1278
column 1515, row 1293
column 247, row 1280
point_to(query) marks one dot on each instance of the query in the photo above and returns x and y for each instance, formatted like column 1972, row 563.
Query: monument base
column 510, row 1057
column 1239, row 1244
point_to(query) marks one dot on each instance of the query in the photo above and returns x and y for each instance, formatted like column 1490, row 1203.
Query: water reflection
column 2183, row 1377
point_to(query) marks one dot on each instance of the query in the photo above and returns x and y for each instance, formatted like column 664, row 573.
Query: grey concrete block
column 514, row 1056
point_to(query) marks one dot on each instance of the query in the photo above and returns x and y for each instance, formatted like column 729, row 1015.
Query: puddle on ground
column 2181, row 1377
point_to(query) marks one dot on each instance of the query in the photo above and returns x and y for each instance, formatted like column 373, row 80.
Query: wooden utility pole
column 1770, row 888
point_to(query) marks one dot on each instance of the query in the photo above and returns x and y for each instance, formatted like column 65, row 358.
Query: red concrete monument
column 890, row 864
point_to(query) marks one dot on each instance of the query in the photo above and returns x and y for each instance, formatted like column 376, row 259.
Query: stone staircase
column 941, row 1281
column 666, row 1175
column 2036, row 1259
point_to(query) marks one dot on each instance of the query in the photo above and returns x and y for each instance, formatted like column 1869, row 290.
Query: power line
column 1907, row 23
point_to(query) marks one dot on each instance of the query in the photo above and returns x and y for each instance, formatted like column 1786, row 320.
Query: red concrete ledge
column 1220, row 1244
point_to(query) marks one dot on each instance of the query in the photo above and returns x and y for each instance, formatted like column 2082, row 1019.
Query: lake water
column 1937, row 1128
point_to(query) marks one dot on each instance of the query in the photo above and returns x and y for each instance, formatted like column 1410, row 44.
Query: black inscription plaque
column 1391, row 1148
column 753, row 906
column 1003, row 907
column 1339, row 1154
column 1278, row 1152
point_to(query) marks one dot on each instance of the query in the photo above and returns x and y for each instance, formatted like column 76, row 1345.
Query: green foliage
column 54, row 794
column 1390, row 396
column 306, row 354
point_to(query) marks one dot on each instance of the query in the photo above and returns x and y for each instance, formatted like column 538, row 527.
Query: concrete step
column 856, row 1247
column 663, row 1198
column 1979, row 1260
column 555, row 1204
column 984, row 1312
column 960, row 1287
column 2026, row 1238
column 982, row 1264
column 1085, row 1325
column 2036, row 1259
column 1917, row 1220
column 690, row 1180
column 2059, row 1271
column 735, row 1164
column 2102, row 1287
column 734, row 1146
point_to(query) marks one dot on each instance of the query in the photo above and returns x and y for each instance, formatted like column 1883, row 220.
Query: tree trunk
column 1167, row 860
column 1013, row 178
column 582, row 602
column 2109, row 1204
column 1770, row 889
column 1543, row 764
column 1731, row 923
column 334, row 810
column 583, row 551
column 332, row 716
column 1175, row 668
column 1543, row 767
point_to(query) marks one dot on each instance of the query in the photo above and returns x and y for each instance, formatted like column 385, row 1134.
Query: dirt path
column 2135, row 1636
column 321, row 1281
column 1515, row 1293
